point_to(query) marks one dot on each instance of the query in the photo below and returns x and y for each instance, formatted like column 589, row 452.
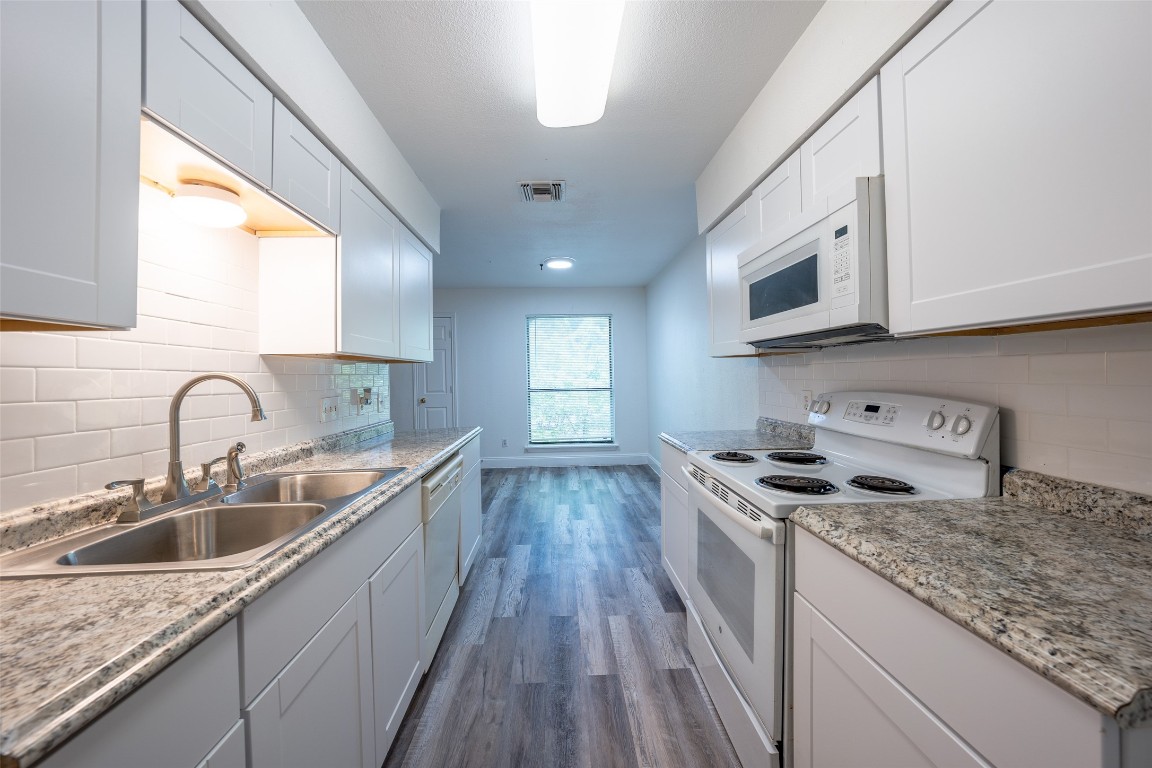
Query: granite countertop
column 769, row 434
column 1070, row 598
column 71, row 647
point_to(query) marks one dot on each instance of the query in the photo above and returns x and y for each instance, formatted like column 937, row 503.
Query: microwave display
column 794, row 286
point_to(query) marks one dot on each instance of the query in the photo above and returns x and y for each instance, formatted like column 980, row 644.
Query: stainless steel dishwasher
column 441, row 512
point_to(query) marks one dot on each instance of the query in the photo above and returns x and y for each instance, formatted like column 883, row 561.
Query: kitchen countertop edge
column 49, row 725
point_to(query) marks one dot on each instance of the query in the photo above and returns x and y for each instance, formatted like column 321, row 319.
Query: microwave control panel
column 842, row 262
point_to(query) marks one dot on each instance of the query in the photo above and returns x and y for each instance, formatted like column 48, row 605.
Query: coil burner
column 733, row 457
column 806, row 486
column 802, row 458
column 879, row 484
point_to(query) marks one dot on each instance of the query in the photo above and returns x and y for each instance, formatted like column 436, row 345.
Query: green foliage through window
column 570, row 379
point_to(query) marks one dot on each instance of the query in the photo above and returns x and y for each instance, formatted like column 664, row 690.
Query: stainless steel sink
column 198, row 534
column 215, row 533
column 311, row 486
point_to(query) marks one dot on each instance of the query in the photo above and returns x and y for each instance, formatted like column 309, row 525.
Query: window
column 570, row 379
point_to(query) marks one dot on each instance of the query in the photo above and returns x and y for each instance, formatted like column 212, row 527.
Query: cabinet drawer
column 471, row 455
column 671, row 460
column 1007, row 712
column 175, row 719
column 277, row 625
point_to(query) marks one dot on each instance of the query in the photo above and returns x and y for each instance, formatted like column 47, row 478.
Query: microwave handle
column 768, row 529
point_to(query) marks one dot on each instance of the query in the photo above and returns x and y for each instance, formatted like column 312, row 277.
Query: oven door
column 736, row 583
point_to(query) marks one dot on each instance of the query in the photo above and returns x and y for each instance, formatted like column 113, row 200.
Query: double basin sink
column 224, row 531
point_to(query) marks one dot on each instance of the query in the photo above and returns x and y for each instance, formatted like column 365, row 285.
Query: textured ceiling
column 452, row 84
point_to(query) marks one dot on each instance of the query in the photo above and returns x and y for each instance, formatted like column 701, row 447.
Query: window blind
column 570, row 379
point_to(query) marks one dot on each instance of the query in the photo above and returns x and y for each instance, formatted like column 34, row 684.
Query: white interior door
column 435, row 382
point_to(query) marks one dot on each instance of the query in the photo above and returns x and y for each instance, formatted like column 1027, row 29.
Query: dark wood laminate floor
column 567, row 647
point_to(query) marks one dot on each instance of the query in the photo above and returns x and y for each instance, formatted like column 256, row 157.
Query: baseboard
column 554, row 460
column 654, row 463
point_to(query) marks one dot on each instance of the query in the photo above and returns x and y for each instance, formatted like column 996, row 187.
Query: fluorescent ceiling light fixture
column 208, row 205
column 559, row 262
column 574, row 44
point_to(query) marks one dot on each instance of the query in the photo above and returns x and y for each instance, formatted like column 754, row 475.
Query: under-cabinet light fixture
column 208, row 205
column 574, row 44
column 558, row 262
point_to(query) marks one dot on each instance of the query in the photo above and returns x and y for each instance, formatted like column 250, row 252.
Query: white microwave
column 824, row 286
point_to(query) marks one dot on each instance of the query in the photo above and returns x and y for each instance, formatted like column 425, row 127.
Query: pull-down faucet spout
column 175, row 487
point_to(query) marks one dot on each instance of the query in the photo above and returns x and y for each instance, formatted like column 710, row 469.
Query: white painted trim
column 654, row 463
column 554, row 460
column 578, row 447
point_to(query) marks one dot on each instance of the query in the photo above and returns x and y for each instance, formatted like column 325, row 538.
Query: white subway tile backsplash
column 68, row 384
column 1130, row 368
column 37, row 350
column 17, row 456
column 94, row 476
column 139, row 384
column 107, row 414
column 1087, row 390
column 35, row 419
column 105, row 353
column 71, row 449
column 33, row 487
column 1069, row 368
column 17, row 385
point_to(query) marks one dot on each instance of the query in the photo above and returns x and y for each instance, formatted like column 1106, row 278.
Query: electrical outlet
column 806, row 399
column 329, row 408
column 503, row 443
column 380, row 407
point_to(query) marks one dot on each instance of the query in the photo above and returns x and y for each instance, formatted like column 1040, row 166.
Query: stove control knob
column 961, row 425
column 822, row 406
column 934, row 421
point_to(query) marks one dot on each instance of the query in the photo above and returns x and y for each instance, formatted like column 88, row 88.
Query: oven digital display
column 871, row 408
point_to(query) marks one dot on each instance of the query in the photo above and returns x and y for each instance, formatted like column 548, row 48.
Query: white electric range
column 869, row 447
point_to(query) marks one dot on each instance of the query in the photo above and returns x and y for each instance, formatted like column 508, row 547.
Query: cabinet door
column 724, row 244
column 1019, row 176
column 319, row 710
column 675, row 519
column 396, row 638
column 229, row 752
column 415, row 296
column 849, row 711
column 193, row 83
column 471, row 521
column 70, row 149
column 777, row 205
column 367, row 313
column 846, row 146
column 304, row 171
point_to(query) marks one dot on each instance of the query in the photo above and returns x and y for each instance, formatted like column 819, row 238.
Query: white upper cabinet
column 192, row 82
column 1018, row 151
column 415, row 298
column 70, row 150
column 777, row 201
column 305, row 173
column 736, row 232
column 367, row 313
column 845, row 147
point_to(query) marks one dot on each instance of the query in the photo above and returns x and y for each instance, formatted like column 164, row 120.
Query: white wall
column 690, row 391
column 1074, row 404
column 491, row 367
column 279, row 43
column 78, row 410
column 842, row 47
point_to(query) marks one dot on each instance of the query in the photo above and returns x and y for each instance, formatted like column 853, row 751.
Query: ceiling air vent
column 542, row 191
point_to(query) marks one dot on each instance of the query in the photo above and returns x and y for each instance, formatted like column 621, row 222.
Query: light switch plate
column 329, row 408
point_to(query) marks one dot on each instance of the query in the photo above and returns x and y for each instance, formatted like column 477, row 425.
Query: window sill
column 551, row 447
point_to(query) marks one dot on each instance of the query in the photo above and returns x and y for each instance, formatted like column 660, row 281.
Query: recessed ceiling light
column 573, row 44
column 559, row 262
column 208, row 205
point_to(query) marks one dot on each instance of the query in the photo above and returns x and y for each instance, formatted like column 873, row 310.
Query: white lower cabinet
column 175, row 719
column 396, row 638
column 675, row 520
column 881, row 679
column 319, row 709
column 230, row 752
column 471, row 509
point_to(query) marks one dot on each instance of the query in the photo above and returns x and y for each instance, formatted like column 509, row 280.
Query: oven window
column 728, row 576
column 794, row 286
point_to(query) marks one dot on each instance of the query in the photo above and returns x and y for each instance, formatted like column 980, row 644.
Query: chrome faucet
column 175, row 487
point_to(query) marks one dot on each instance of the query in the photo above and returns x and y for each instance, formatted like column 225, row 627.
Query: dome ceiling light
column 208, row 205
column 558, row 262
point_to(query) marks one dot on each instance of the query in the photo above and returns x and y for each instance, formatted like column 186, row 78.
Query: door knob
column 423, row 400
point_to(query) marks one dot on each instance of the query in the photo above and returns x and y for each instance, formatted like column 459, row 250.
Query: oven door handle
column 766, row 529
